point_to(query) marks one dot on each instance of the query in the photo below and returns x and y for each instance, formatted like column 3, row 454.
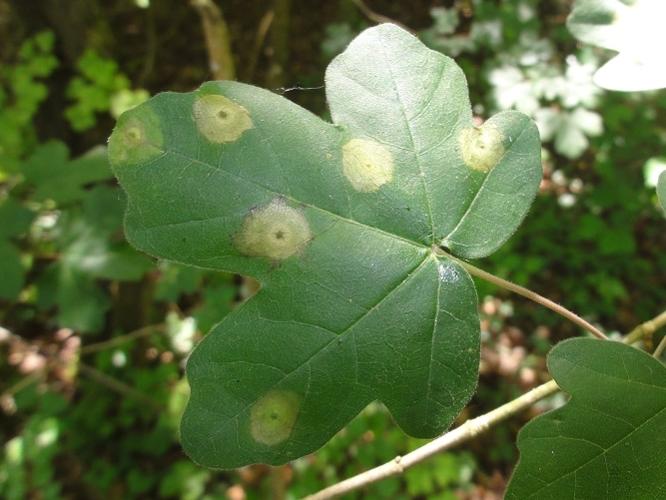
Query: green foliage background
column 94, row 335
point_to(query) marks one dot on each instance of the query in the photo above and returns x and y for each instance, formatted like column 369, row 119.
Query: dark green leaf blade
column 354, row 305
column 608, row 441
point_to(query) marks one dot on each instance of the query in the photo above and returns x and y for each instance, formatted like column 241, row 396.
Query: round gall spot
column 276, row 231
column 367, row 164
column 481, row 148
column 137, row 137
column 220, row 119
column 134, row 136
column 272, row 417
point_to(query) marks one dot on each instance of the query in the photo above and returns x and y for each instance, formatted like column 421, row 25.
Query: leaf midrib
column 414, row 151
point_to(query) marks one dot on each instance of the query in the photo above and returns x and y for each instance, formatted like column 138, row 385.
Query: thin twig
column 660, row 348
column 118, row 386
column 374, row 16
column 23, row 383
column 553, row 306
column 646, row 329
column 151, row 46
column 279, row 44
column 259, row 40
column 122, row 339
column 465, row 432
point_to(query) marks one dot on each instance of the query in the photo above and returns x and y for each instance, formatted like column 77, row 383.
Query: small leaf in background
column 56, row 177
column 337, row 222
column 219, row 295
column 11, row 270
column 569, row 129
column 635, row 30
column 608, row 441
column 126, row 99
column 661, row 190
column 21, row 93
column 176, row 280
column 15, row 219
column 99, row 87
column 91, row 248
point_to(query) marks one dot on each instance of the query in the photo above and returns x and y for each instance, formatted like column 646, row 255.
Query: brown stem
column 259, row 40
column 218, row 40
column 118, row 386
column 122, row 339
column 660, row 348
column 279, row 43
column 562, row 311
column 374, row 16
column 646, row 329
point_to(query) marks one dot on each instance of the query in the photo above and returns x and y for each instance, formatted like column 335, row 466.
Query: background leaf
column 337, row 223
column 56, row 177
column 635, row 30
column 608, row 440
column 14, row 220
column 661, row 190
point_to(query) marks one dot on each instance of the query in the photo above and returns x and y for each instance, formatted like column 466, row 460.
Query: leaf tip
column 137, row 137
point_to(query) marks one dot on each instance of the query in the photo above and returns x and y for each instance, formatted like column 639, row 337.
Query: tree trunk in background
column 73, row 21
column 279, row 45
column 218, row 40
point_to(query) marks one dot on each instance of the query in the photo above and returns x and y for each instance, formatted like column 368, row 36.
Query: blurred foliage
column 22, row 89
column 99, row 87
column 93, row 335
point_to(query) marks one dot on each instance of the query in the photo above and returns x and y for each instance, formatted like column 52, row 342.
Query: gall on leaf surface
column 338, row 223
column 608, row 441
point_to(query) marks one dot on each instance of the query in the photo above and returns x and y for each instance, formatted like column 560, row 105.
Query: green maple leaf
column 608, row 441
column 340, row 223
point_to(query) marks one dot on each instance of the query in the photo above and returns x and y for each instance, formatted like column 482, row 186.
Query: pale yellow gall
column 272, row 417
column 137, row 137
column 481, row 148
column 367, row 164
column 275, row 231
column 220, row 119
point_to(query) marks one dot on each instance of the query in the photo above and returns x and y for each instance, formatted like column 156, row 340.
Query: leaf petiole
column 533, row 296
